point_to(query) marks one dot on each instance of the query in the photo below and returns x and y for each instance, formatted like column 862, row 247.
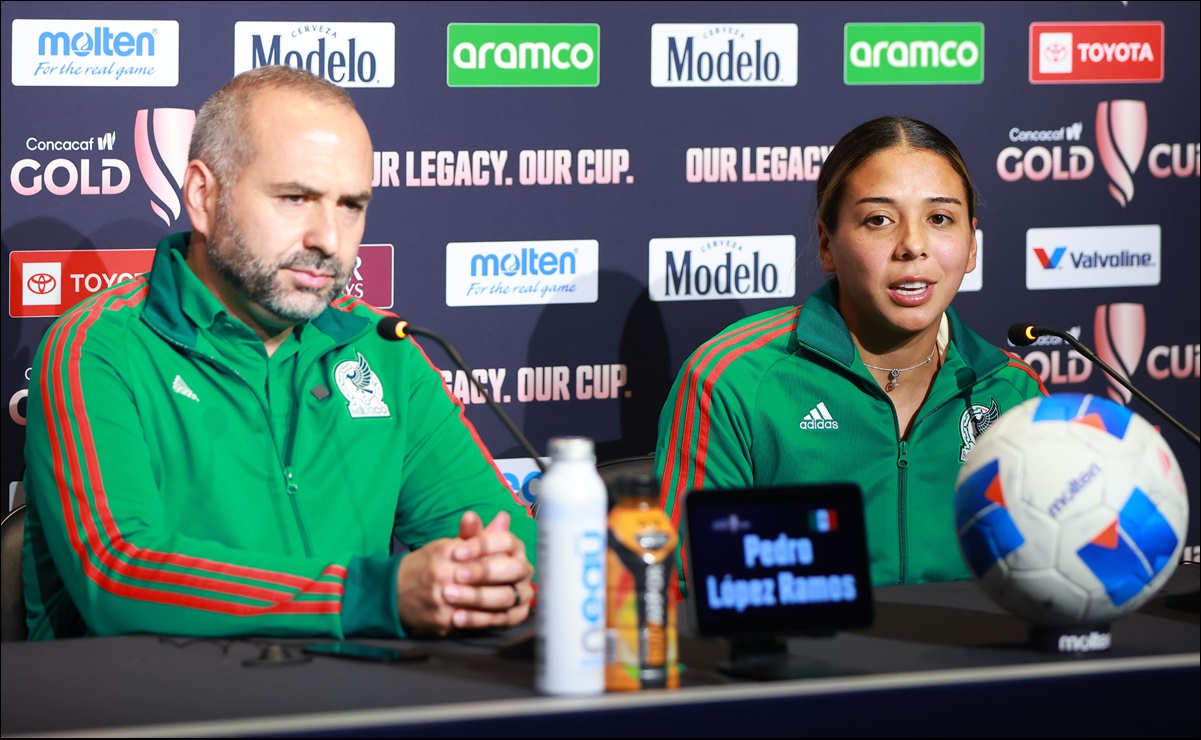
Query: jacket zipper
column 902, row 455
column 291, row 487
column 903, row 479
column 902, row 529
column 293, row 483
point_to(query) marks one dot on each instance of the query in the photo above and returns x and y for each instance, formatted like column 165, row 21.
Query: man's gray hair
column 219, row 138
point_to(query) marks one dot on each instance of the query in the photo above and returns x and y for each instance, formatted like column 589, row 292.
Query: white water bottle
column 573, row 509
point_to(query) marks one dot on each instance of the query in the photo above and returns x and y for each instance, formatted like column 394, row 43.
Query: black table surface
column 940, row 660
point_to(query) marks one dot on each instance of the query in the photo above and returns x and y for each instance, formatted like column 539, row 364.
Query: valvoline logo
column 1132, row 550
column 1087, row 409
column 986, row 530
column 1050, row 261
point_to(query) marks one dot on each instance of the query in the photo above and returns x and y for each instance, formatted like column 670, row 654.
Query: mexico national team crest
column 364, row 394
column 972, row 424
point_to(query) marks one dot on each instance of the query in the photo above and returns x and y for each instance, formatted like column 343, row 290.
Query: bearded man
column 225, row 446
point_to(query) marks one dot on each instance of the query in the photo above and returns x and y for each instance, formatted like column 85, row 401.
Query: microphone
column 1021, row 335
column 395, row 329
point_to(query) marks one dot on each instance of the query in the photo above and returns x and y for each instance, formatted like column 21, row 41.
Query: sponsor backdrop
column 578, row 194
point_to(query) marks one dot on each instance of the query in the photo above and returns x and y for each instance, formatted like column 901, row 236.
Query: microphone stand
column 484, row 391
column 1025, row 334
column 1084, row 350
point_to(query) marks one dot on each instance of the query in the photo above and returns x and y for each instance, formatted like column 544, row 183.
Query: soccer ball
column 1071, row 511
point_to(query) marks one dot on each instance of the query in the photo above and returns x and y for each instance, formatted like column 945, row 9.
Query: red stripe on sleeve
column 702, row 450
column 75, row 504
column 479, row 443
column 774, row 326
column 1021, row 364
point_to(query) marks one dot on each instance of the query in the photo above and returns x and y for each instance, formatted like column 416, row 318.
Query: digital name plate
column 777, row 562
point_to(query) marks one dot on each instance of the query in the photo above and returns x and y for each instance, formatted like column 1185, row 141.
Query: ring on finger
column 516, row 596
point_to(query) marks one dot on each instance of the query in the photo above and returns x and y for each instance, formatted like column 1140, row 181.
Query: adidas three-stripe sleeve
column 105, row 530
column 705, row 434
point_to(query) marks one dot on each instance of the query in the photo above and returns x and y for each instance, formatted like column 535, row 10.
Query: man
column 215, row 448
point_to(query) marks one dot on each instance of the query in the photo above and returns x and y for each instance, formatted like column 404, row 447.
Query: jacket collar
column 163, row 311
column 820, row 327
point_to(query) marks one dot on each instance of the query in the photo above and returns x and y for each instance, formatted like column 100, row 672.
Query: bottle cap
column 642, row 486
column 571, row 448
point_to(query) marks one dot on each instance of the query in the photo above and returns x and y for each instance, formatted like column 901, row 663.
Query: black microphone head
column 392, row 328
column 1022, row 335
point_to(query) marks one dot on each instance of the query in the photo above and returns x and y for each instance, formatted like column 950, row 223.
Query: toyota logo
column 1055, row 52
column 41, row 283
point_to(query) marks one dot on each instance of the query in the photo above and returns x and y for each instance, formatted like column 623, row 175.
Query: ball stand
column 276, row 654
column 1081, row 640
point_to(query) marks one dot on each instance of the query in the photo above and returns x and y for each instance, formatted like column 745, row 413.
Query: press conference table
column 941, row 660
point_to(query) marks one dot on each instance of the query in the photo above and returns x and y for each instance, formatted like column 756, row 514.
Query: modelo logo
column 722, row 268
column 523, row 55
column 521, row 273
column 913, row 53
column 95, row 53
column 724, row 55
column 346, row 54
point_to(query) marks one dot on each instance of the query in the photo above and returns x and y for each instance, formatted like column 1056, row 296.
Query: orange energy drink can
column 641, row 643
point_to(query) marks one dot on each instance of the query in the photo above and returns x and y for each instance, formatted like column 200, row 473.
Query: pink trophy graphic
column 1121, row 138
column 1121, row 330
column 161, row 138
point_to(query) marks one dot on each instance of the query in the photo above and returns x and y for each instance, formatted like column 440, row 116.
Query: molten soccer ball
column 1071, row 511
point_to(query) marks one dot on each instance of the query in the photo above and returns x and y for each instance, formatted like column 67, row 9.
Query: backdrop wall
column 577, row 216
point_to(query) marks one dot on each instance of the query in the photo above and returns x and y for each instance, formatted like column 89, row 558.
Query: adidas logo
column 819, row 418
column 182, row 389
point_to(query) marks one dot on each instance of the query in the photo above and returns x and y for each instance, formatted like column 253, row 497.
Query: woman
column 874, row 380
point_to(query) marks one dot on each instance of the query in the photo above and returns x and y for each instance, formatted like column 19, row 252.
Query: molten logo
column 522, row 273
column 161, row 137
column 1121, row 330
column 1051, row 261
column 42, row 283
column 1121, row 138
column 95, row 53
